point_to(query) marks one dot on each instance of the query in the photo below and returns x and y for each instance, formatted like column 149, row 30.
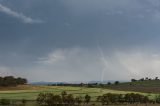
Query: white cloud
column 17, row 15
column 56, row 56
column 140, row 64
column 74, row 64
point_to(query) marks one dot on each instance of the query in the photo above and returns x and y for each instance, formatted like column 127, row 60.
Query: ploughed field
column 146, row 86
column 29, row 92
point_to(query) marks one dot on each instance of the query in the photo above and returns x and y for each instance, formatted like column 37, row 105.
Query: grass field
column 29, row 92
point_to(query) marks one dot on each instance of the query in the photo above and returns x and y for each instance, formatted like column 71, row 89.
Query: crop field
column 29, row 92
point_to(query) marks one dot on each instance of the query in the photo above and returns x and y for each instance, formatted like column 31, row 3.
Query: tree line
column 12, row 81
column 129, row 98
column 90, row 85
column 64, row 99
column 50, row 99
column 146, row 79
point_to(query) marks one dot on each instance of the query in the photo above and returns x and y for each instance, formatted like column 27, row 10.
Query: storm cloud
column 79, row 40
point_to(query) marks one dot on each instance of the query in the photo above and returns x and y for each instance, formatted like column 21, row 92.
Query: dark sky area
column 80, row 40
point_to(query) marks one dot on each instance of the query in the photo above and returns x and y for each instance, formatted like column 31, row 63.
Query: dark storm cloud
column 43, row 36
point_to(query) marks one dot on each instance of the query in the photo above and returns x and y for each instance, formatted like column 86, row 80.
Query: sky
column 80, row 40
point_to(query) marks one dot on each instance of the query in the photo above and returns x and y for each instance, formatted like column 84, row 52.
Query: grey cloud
column 66, row 44
column 146, row 9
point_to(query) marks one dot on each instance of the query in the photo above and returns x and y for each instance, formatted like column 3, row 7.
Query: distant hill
column 102, row 82
column 47, row 83
column 71, row 82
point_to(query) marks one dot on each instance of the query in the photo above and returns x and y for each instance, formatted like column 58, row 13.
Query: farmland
column 30, row 92
column 146, row 86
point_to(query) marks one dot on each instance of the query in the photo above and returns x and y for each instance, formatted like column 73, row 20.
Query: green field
column 31, row 92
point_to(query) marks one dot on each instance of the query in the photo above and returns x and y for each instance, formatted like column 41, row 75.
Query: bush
column 78, row 100
column 87, row 99
column 5, row 102
column 120, row 98
column 23, row 101
column 49, row 99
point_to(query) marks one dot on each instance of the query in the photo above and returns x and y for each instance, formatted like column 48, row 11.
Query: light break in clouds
column 84, row 64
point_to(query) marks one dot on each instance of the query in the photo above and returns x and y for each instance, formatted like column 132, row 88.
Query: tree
column 70, row 99
column 142, row 79
column 103, row 99
column 58, row 99
column 24, row 102
column 49, row 99
column 146, row 78
column 5, row 102
column 21, row 81
column 41, row 99
column 111, row 98
column 87, row 98
column 116, row 82
column 109, row 83
column 133, row 80
column 78, row 100
column 11, row 81
column 63, row 93
column 156, row 78
column 157, row 99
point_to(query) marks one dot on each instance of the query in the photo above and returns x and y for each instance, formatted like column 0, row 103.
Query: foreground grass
column 29, row 92
column 99, row 104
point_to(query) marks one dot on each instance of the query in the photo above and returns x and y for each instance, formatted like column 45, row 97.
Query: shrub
column 23, row 101
column 87, row 99
column 5, row 102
